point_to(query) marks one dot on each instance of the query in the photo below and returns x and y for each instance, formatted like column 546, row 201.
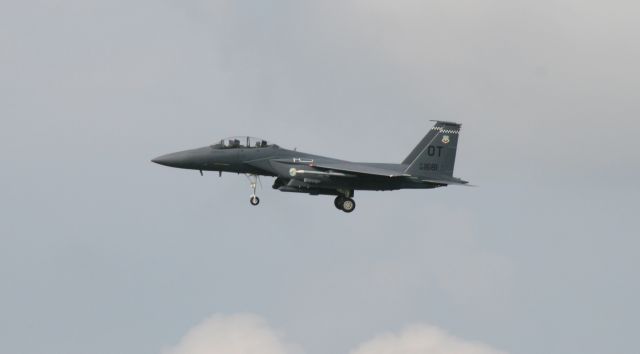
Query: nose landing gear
column 253, row 181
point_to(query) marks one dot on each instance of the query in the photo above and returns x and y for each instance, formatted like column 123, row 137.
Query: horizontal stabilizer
column 454, row 182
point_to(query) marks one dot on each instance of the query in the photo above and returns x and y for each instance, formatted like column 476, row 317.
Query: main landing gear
column 345, row 202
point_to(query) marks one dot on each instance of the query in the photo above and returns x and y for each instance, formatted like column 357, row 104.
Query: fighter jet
column 429, row 165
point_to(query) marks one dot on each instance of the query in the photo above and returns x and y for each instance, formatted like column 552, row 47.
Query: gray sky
column 102, row 251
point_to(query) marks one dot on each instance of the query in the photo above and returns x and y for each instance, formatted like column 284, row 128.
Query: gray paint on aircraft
column 429, row 165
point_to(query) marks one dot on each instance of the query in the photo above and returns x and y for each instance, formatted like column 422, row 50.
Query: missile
column 301, row 174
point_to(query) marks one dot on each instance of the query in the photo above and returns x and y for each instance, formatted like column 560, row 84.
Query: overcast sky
column 103, row 252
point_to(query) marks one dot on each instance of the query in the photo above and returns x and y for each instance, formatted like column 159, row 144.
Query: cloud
column 421, row 339
column 250, row 334
column 235, row 334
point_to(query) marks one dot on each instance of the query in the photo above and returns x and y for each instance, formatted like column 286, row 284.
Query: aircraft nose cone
column 171, row 160
column 194, row 159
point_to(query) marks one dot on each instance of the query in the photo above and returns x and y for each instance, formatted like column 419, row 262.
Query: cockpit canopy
column 241, row 142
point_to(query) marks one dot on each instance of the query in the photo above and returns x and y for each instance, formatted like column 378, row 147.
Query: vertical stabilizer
column 435, row 155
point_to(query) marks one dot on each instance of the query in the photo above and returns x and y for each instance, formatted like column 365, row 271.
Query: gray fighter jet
column 429, row 165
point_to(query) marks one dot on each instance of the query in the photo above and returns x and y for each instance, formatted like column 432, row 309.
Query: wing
column 358, row 168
